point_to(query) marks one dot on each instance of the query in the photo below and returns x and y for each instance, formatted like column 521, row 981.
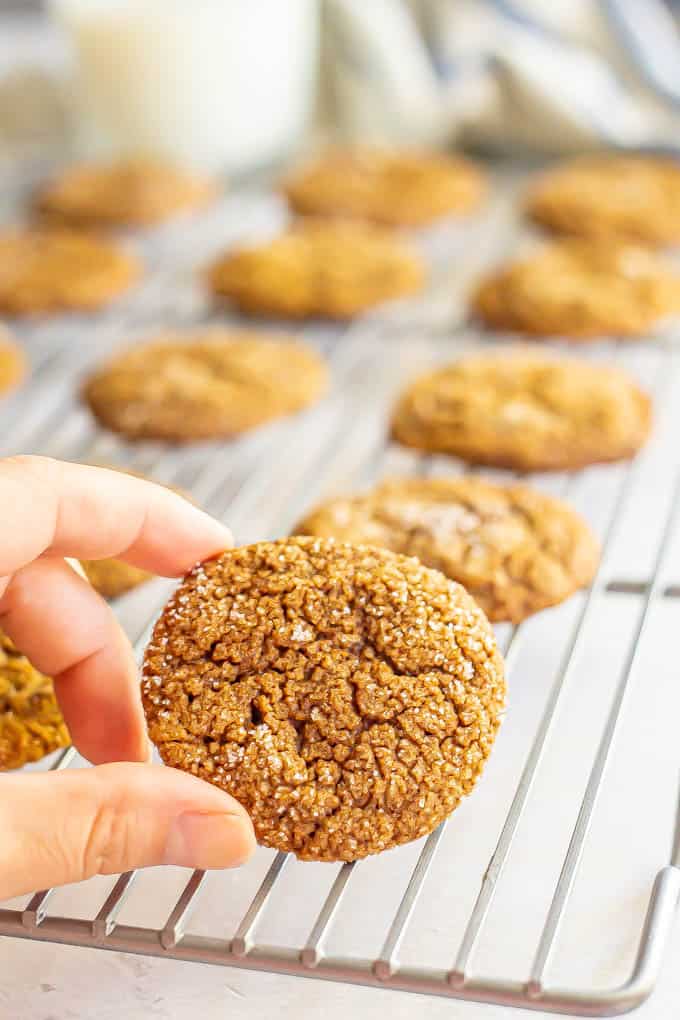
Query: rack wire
column 433, row 910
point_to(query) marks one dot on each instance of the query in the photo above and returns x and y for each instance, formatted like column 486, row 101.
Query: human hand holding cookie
column 65, row 826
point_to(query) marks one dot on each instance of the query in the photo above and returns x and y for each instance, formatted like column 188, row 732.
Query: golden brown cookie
column 57, row 270
column 634, row 198
column 525, row 411
column 513, row 548
column 581, row 290
column 397, row 189
column 13, row 365
column 204, row 385
column 346, row 696
column 31, row 724
column 334, row 270
column 133, row 192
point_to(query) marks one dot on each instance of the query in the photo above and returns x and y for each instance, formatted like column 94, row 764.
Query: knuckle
column 41, row 467
column 106, row 849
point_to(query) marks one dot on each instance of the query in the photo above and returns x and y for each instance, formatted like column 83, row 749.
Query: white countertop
column 46, row 982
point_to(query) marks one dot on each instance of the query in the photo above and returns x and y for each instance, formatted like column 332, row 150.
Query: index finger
column 64, row 509
column 50, row 510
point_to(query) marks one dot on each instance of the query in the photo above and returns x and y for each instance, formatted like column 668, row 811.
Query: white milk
column 217, row 84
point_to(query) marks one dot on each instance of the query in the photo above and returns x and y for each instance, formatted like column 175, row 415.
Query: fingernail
column 221, row 531
column 199, row 840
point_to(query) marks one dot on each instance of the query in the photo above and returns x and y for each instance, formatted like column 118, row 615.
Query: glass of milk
column 219, row 85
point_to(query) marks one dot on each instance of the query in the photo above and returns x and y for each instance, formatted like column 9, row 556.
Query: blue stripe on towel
column 649, row 34
column 597, row 120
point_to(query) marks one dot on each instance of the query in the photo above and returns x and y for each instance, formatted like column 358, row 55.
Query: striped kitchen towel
column 509, row 75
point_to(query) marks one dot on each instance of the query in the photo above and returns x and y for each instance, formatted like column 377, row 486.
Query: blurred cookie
column 56, row 270
column 112, row 577
column 13, row 365
column 581, row 290
column 133, row 192
column 634, row 198
column 203, row 385
column 399, row 189
column 334, row 270
column 346, row 696
column 514, row 549
column 31, row 724
column 524, row 411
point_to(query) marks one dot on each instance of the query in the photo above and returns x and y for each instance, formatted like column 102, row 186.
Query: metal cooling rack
column 545, row 890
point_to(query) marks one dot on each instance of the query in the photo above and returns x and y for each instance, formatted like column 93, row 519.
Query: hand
column 66, row 826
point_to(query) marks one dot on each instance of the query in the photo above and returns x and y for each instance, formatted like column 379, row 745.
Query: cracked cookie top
column 581, row 290
column 514, row 549
column 394, row 188
column 525, row 411
column 332, row 269
column 635, row 198
column 347, row 696
column 31, row 724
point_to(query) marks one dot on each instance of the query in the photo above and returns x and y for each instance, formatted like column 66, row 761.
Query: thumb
column 67, row 826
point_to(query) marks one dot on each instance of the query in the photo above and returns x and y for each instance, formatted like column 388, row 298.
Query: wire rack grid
column 540, row 892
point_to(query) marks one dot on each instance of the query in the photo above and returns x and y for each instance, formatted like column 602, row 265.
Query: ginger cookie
column 58, row 270
column 396, row 189
column 348, row 697
column 581, row 290
column 31, row 724
column 130, row 193
column 514, row 549
column 524, row 411
column 317, row 269
column 633, row 198
column 13, row 365
column 204, row 385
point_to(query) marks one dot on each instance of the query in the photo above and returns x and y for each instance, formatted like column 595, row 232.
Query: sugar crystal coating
column 516, row 550
column 348, row 697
